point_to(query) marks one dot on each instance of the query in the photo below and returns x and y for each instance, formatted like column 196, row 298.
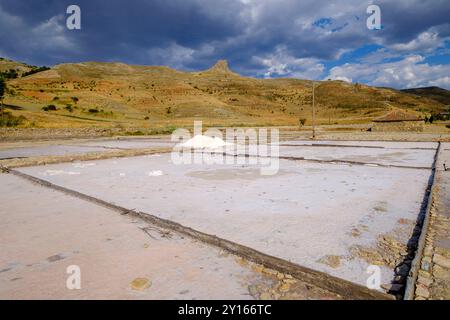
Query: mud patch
column 392, row 252
column 355, row 232
column 381, row 207
column 388, row 251
column 5, row 270
column 280, row 286
column 56, row 257
column 331, row 261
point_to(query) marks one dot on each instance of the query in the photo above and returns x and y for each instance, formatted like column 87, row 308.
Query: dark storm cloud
column 405, row 20
column 258, row 37
column 147, row 24
column 117, row 29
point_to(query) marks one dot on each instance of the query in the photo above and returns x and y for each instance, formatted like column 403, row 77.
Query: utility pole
column 313, row 112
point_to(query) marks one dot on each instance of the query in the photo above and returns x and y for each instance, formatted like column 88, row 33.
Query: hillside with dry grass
column 6, row 65
column 96, row 94
column 434, row 93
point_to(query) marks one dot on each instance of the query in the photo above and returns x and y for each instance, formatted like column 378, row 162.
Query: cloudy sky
column 310, row 39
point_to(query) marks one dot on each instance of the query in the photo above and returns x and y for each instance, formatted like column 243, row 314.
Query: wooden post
column 313, row 112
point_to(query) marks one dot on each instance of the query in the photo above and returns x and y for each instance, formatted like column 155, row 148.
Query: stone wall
column 433, row 281
column 415, row 126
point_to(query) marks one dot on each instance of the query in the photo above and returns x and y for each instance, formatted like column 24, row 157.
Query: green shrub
column 135, row 133
column 2, row 87
column 8, row 120
column 92, row 110
column 50, row 107
column 166, row 130
column 10, row 74
column 35, row 70
column 170, row 129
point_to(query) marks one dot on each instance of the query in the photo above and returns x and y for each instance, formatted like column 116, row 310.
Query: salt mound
column 201, row 141
column 83, row 165
column 155, row 173
column 58, row 172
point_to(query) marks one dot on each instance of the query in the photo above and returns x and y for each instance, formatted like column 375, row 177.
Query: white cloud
column 173, row 55
column 378, row 56
column 426, row 41
column 52, row 35
column 281, row 63
column 443, row 82
column 405, row 73
column 49, row 37
column 178, row 56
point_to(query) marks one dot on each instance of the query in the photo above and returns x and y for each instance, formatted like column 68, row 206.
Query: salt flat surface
column 398, row 157
column 49, row 150
column 82, row 147
column 383, row 144
column 43, row 231
column 302, row 214
column 131, row 143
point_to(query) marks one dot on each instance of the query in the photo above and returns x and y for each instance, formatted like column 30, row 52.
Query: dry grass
column 154, row 97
